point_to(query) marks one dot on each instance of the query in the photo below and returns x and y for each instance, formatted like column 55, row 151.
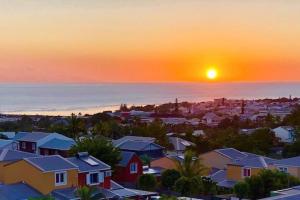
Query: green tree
column 256, row 187
column 241, row 190
column 42, row 198
column 100, row 148
column 184, row 186
column 169, row 177
column 86, row 193
column 76, row 125
column 147, row 182
column 191, row 166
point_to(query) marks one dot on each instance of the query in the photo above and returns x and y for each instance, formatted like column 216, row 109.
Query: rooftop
column 12, row 155
column 58, row 144
column 126, row 157
column 51, row 163
column 18, row 191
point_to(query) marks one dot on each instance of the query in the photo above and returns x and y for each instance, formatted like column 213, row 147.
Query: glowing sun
column 212, row 74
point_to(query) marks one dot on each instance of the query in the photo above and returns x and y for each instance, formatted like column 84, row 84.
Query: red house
column 129, row 169
column 92, row 172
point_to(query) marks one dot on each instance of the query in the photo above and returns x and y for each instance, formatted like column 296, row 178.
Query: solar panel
column 90, row 161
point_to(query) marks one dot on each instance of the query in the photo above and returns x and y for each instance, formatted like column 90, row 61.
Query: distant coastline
column 64, row 99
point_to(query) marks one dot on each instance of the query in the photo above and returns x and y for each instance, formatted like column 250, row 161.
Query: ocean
column 64, row 99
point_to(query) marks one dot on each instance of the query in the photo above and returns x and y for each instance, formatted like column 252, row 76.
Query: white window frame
column 283, row 169
column 135, row 170
column 23, row 144
column 33, row 147
column 100, row 178
column 60, row 182
column 243, row 174
column 108, row 174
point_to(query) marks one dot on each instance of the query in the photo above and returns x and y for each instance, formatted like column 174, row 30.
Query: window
column 283, row 169
column 108, row 174
column 60, row 178
column 33, row 147
column 95, row 178
column 23, row 145
column 133, row 168
column 246, row 172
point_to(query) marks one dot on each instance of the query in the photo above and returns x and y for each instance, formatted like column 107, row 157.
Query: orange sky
column 149, row 40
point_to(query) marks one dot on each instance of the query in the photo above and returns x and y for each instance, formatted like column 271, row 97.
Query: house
column 92, row 172
column 44, row 143
column 211, row 119
column 289, row 165
column 129, row 169
column 18, row 191
column 180, row 145
column 43, row 173
column 247, row 167
column 220, row 158
column 285, row 133
column 9, row 156
column 140, row 145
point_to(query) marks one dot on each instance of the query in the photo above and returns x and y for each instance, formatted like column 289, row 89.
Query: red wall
column 52, row 152
column 28, row 147
column 122, row 174
column 82, row 181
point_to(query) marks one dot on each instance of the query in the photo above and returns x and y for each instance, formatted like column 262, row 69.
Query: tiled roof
column 256, row 162
column 180, row 144
column 295, row 161
column 231, row 153
column 132, row 138
column 126, row 157
column 18, row 191
column 85, row 167
column 58, row 144
column 4, row 143
column 12, row 155
column 51, row 163
column 218, row 176
column 139, row 146
column 30, row 136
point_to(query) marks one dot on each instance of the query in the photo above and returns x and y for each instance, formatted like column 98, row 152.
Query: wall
column 214, row 160
column 235, row 172
column 43, row 182
column 123, row 174
column 28, row 147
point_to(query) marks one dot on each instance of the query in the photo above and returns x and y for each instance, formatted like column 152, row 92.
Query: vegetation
column 169, row 178
column 86, row 193
column 42, row 198
column 147, row 182
column 261, row 185
column 100, row 148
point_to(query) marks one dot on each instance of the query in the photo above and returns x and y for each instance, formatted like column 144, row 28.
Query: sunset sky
column 149, row 40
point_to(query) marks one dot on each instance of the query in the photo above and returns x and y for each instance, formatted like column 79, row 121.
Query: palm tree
column 86, row 193
column 191, row 166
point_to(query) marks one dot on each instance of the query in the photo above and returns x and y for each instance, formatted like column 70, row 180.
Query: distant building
column 285, row 133
column 44, row 143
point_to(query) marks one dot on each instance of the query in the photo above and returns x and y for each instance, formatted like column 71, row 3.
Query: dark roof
column 51, row 163
column 132, row 138
column 18, row 191
column 139, row 146
column 30, row 136
column 218, row 176
column 85, row 166
column 256, row 162
column 231, row 153
column 126, row 157
column 12, row 155
column 58, row 144
column 295, row 161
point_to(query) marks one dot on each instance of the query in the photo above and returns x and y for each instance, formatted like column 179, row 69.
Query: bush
column 147, row 182
column 169, row 177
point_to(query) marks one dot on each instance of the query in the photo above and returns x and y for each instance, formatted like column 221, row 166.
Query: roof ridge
column 3, row 154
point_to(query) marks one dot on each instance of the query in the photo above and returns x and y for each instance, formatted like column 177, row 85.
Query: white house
column 285, row 133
